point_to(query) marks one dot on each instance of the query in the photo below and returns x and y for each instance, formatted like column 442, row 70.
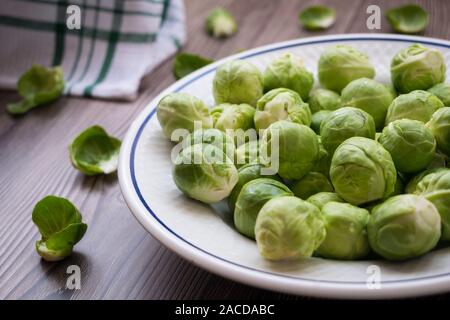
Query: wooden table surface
column 117, row 257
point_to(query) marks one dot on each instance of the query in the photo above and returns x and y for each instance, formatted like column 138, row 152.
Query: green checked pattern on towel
column 118, row 43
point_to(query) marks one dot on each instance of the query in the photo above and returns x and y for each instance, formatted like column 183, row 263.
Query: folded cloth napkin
column 117, row 44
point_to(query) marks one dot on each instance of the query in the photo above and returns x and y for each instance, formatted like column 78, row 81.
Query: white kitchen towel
column 118, row 43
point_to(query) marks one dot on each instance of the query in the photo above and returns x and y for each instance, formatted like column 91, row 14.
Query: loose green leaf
column 220, row 23
column 185, row 63
column 95, row 152
column 61, row 227
column 410, row 18
column 37, row 86
column 317, row 17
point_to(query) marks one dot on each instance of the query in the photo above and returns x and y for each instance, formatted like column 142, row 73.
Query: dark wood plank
column 118, row 258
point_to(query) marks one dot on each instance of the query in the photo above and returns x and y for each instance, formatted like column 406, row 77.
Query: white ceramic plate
column 205, row 236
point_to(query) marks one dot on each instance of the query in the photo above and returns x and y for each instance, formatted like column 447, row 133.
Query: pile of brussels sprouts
column 362, row 166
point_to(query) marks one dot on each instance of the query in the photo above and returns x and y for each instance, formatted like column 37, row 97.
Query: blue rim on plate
column 200, row 73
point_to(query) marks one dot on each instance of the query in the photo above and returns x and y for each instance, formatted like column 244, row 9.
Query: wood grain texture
column 118, row 258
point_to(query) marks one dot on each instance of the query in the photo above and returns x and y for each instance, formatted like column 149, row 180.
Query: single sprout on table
column 281, row 104
column 237, row 81
column 39, row 85
column 410, row 143
column 439, row 125
column 417, row 68
column 186, row 63
column 181, row 111
column 60, row 225
column 288, row 71
column 233, row 116
column 95, row 152
column 345, row 123
column 317, row 17
column 203, row 172
column 297, row 146
column 213, row 137
column 318, row 118
column 370, row 96
column 341, row 64
column 220, row 23
column 312, row 183
column 322, row 198
column 247, row 153
column 246, row 174
column 324, row 99
column 409, row 18
column 403, row 227
column 435, row 186
column 416, row 105
column 442, row 91
column 253, row 196
column 289, row 228
column 362, row 171
column 346, row 232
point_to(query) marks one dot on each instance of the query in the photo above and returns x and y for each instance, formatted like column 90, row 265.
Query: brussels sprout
column 246, row 174
column 220, row 23
column 281, row 104
column 94, row 152
column 417, row 68
column 323, row 161
column 180, row 111
column 317, row 119
column 289, row 228
column 288, row 71
column 370, row 96
column 404, row 227
column 439, row 125
column 322, row 198
column 409, row 18
column 233, row 116
column 346, row 233
column 436, row 188
column 60, row 225
column 298, row 148
column 317, row 17
column 345, row 123
column 442, row 91
column 237, row 82
column 310, row 184
column 213, row 137
column 411, row 187
column 377, row 136
column 37, row 86
column 203, row 172
column 253, row 196
column 410, row 143
column 362, row 171
column 185, row 63
column 341, row 64
column 416, row 105
column 323, row 99
column 248, row 153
